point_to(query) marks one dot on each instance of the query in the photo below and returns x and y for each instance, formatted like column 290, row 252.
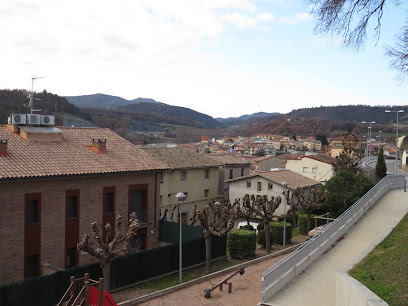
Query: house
column 337, row 145
column 390, row 152
column 233, row 166
column 317, row 167
column 192, row 173
column 404, row 159
column 266, row 163
column 268, row 183
column 55, row 181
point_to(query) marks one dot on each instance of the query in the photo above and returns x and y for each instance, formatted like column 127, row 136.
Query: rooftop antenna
column 30, row 96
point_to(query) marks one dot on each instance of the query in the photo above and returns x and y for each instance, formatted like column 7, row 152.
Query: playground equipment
column 87, row 292
column 207, row 292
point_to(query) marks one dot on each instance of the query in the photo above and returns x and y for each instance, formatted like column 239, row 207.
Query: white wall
column 238, row 189
column 316, row 170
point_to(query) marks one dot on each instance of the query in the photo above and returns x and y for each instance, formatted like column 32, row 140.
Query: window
column 270, row 186
column 206, row 173
column 305, row 169
column 231, row 174
column 71, row 257
column 184, row 218
column 206, row 193
column 183, row 176
column 242, row 171
column 338, row 145
column 314, row 170
column 32, row 266
column 137, row 204
column 248, row 184
column 32, row 211
column 259, row 186
column 72, row 205
column 108, row 204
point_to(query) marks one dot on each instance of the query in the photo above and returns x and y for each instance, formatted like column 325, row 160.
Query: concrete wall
column 195, row 185
column 238, row 189
column 350, row 292
column 311, row 168
column 53, row 214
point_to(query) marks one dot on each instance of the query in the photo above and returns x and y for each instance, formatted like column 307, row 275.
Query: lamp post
column 396, row 139
column 285, row 186
column 369, row 138
column 379, row 136
column 180, row 197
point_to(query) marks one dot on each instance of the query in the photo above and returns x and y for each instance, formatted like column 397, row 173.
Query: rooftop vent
column 98, row 145
column 3, row 147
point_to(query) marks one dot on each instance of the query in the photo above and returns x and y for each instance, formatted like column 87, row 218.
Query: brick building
column 55, row 181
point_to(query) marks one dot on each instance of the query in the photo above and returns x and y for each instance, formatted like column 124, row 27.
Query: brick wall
column 53, row 216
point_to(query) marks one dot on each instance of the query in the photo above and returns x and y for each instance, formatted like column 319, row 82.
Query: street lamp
column 180, row 198
column 396, row 139
column 285, row 186
column 369, row 138
column 379, row 136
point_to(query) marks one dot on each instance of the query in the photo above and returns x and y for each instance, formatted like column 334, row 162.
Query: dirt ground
column 246, row 288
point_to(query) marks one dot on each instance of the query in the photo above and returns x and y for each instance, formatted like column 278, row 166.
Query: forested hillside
column 172, row 111
column 352, row 113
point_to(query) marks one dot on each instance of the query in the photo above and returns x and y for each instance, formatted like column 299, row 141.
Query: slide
column 94, row 297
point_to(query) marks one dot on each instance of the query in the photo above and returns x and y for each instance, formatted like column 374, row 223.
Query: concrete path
column 317, row 286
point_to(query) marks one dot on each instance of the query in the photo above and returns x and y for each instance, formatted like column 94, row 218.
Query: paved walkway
column 317, row 286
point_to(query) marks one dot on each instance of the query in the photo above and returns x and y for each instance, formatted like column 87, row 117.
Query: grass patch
column 173, row 280
column 385, row 270
column 295, row 231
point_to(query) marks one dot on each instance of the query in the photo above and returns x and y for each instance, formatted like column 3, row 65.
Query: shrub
column 277, row 232
column 241, row 244
column 260, row 239
column 247, row 227
column 260, row 227
column 289, row 219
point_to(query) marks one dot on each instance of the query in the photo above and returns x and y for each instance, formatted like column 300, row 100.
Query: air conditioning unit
column 17, row 119
column 34, row 119
column 47, row 120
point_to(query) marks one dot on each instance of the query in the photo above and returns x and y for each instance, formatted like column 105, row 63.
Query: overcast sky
column 224, row 58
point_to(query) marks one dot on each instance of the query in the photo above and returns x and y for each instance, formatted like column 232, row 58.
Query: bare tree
column 349, row 158
column 350, row 18
column 309, row 202
column 217, row 220
column 110, row 248
column 260, row 206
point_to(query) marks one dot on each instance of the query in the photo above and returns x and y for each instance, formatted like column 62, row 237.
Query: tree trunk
column 267, row 237
column 106, row 271
column 208, row 254
column 309, row 222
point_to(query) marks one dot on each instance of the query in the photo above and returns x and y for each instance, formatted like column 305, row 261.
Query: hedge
column 276, row 229
column 247, row 227
column 260, row 239
column 302, row 223
column 241, row 244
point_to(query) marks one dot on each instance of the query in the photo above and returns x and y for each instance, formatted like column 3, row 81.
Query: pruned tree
column 292, row 203
column 349, row 158
column 110, row 248
column 350, row 18
column 246, row 213
column 265, row 209
column 310, row 201
column 217, row 220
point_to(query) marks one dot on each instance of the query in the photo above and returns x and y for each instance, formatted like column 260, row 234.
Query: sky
column 224, row 58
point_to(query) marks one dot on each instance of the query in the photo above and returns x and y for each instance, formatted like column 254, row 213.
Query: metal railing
column 280, row 274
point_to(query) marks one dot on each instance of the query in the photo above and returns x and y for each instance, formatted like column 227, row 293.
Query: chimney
column 99, row 145
column 3, row 147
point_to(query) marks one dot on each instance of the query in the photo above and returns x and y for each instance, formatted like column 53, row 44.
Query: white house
column 268, row 183
column 404, row 159
column 315, row 167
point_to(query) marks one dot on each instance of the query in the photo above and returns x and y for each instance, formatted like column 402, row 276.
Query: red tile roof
column 72, row 155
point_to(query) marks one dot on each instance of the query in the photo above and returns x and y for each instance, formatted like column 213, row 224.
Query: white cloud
column 296, row 18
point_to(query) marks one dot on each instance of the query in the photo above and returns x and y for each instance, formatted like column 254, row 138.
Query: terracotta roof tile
column 229, row 159
column 72, row 155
